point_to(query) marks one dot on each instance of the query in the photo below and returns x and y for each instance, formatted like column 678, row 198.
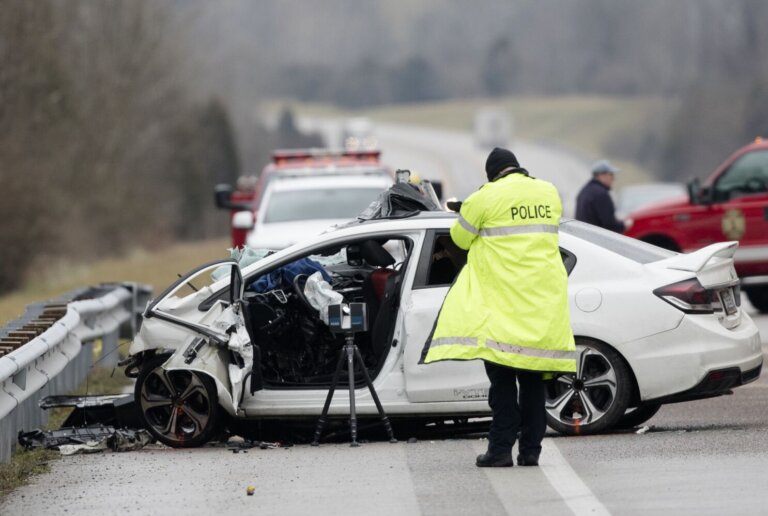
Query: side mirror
column 694, row 191
column 243, row 220
column 222, row 196
column 453, row 205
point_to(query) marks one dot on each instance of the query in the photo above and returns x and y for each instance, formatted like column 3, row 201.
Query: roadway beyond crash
column 702, row 457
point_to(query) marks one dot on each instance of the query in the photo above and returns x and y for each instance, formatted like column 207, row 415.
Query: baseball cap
column 604, row 166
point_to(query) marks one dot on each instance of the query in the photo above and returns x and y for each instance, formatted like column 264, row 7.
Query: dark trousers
column 510, row 417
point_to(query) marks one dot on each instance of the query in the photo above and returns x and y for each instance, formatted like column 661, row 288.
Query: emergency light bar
column 283, row 156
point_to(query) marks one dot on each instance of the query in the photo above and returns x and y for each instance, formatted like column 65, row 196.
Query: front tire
column 596, row 397
column 179, row 408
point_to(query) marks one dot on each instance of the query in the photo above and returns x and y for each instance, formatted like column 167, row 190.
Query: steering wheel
column 298, row 288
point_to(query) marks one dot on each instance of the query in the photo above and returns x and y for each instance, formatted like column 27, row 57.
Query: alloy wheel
column 178, row 407
column 594, row 397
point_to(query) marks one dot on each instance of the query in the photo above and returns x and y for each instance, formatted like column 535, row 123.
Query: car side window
column 441, row 260
column 446, row 260
column 746, row 176
column 569, row 260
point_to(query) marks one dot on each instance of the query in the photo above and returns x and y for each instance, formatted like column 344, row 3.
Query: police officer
column 594, row 204
column 509, row 304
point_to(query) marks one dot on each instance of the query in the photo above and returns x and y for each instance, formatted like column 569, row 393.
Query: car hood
column 280, row 235
column 661, row 207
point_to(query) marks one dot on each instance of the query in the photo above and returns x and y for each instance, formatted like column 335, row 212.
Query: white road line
column 567, row 483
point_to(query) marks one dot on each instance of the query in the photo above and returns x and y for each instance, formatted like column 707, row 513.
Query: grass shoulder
column 157, row 268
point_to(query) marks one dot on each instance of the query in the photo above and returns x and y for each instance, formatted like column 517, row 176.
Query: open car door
column 219, row 344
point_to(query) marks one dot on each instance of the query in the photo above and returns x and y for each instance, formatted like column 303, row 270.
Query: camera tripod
column 352, row 355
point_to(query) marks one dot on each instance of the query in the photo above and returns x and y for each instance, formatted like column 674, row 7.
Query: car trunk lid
column 714, row 271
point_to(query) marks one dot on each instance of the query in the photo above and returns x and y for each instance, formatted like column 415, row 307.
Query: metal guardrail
column 41, row 352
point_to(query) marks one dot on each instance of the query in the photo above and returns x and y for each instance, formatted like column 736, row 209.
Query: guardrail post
column 109, row 355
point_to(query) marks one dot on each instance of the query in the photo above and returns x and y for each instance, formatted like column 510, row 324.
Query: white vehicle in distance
column 357, row 134
column 652, row 327
column 296, row 208
column 492, row 128
column 634, row 197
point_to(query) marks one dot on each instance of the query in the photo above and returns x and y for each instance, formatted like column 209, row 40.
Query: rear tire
column 637, row 416
column 758, row 296
column 179, row 408
column 595, row 398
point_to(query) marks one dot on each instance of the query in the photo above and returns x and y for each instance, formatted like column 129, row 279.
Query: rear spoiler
column 695, row 261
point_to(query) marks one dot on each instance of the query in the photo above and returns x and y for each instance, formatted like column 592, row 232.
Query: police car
column 294, row 208
column 652, row 327
column 732, row 204
column 295, row 169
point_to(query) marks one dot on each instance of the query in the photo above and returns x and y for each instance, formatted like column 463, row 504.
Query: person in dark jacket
column 594, row 204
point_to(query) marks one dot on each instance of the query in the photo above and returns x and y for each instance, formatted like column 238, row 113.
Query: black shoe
column 494, row 461
column 527, row 460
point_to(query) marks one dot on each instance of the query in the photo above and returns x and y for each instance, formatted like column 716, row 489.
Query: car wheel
column 596, row 397
column 180, row 408
column 759, row 298
column 638, row 415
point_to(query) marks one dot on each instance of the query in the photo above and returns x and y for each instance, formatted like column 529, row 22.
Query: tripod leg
column 375, row 396
column 331, row 389
column 350, row 349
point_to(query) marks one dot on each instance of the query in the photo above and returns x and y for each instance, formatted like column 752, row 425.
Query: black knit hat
column 498, row 160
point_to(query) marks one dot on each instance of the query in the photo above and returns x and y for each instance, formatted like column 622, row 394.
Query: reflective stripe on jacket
column 509, row 304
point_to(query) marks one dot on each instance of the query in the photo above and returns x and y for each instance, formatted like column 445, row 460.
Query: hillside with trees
column 118, row 116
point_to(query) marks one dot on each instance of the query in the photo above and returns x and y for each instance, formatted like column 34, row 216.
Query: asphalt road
column 703, row 457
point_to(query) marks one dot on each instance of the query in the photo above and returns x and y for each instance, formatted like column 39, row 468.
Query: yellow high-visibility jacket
column 509, row 304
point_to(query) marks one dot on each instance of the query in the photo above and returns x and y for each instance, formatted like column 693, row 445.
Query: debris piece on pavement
column 642, row 429
column 88, row 439
column 237, row 445
column 250, row 490
column 118, row 410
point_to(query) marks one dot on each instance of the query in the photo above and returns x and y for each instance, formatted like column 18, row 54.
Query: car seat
column 381, row 289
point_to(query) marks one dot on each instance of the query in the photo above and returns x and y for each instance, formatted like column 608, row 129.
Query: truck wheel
column 595, row 398
column 180, row 408
column 758, row 296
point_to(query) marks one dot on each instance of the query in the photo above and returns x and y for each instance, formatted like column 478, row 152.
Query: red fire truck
column 300, row 163
column 732, row 204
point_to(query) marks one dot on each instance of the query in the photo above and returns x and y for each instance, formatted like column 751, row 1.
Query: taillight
column 689, row 296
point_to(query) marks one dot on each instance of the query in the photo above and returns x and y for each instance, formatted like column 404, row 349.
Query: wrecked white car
column 653, row 327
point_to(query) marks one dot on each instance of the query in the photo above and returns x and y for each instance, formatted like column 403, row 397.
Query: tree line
column 708, row 58
column 117, row 117
column 101, row 147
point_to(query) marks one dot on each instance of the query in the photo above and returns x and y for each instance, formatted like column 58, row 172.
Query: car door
column 179, row 304
column 439, row 262
column 218, row 343
column 742, row 190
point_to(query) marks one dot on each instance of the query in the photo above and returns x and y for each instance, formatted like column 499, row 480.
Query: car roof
column 329, row 181
column 627, row 247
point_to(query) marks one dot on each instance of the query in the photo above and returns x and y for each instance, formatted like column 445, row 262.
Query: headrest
column 375, row 254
